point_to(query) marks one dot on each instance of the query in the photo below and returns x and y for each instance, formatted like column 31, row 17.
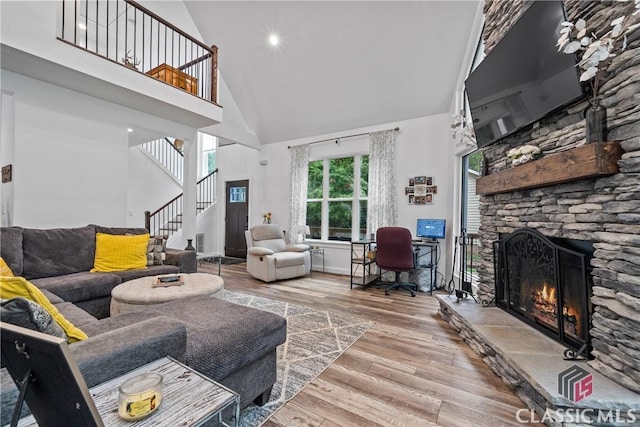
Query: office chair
column 395, row 253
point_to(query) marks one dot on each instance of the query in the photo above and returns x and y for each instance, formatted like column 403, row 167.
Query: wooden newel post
column 147, row 220
column 214, row 74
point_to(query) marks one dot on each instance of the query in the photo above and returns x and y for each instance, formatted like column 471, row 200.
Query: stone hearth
column 530, row 362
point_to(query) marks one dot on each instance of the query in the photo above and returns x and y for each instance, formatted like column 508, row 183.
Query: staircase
column 167, row 155
column 166, row 220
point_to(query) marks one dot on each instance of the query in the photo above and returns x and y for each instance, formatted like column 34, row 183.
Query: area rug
column 315, row 339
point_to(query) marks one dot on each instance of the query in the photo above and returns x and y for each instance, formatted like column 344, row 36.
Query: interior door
column 237, row 218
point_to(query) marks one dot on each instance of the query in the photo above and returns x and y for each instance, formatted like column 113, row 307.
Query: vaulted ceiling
column 340, row 65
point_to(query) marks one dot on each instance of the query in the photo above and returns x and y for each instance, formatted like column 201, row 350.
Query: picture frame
column 411, row 199
column 420, row 180
column 408, row 190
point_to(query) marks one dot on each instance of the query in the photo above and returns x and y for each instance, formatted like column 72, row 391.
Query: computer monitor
column 431, row 228
column 53, row 385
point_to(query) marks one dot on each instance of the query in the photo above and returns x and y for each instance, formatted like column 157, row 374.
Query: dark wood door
column 237, row 218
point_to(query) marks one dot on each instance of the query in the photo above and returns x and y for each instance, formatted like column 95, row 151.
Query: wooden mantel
column 587, row 161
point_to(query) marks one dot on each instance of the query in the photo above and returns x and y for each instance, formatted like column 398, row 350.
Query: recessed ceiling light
column 274, row 40
column 82, row 26
column 130, row 130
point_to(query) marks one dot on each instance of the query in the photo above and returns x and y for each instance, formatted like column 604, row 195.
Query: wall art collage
column 421, row 190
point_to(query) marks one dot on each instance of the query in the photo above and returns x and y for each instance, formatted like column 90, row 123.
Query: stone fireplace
column 547, row 284
column 602, row 209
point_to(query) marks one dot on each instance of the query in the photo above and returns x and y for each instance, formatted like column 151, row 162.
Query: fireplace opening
column 547, row 283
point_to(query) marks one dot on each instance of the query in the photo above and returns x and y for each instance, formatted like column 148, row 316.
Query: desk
column 426, row 258
column 189, row 399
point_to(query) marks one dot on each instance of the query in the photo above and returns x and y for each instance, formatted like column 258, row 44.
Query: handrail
column 167, row 23
column 169, row 212
column 127, row 33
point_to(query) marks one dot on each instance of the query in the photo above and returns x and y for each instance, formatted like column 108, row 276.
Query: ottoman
column 139, row 293
column 229, row 343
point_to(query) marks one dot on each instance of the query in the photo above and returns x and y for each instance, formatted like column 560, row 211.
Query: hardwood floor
column 409, row 369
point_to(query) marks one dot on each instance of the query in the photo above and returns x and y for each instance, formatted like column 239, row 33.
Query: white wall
column 418, row 154
column 70, row 164
column 149, row 187
column 71, row 159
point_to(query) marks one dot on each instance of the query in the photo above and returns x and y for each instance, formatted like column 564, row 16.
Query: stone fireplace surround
column 604, row 210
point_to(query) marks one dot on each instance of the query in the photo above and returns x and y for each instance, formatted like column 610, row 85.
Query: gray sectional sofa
column 231, row 344
column 59, row 261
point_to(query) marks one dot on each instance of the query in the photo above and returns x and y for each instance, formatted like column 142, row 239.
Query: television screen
column 431, row 228
column 524, row 77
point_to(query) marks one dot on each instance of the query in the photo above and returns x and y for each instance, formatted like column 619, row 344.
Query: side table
column 209, row 257
column 188, row 399
column 316, row 251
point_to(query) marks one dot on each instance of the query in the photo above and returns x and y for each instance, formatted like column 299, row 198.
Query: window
column 207, row 161
column 472, row 167
column 472, row 170
column 337, row 198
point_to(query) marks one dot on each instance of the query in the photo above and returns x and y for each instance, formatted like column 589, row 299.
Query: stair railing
column 168, row 218
column 168, row 155
column 125, row 32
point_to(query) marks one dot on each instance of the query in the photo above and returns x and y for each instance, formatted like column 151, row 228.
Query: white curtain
column 382, row 210
column 299, row 177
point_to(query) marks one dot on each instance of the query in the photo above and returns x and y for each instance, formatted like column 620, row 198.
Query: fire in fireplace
column 547, row 284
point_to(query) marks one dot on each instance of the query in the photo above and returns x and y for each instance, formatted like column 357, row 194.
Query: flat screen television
column 523, row 78
column 431, row 228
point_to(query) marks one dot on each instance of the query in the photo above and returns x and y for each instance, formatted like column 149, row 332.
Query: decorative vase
column 595, row 118
column 189, row 245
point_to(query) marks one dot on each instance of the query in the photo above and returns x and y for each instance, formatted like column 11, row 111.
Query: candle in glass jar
column 140, row 396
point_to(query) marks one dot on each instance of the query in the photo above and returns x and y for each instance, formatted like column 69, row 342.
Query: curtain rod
column 344, row 137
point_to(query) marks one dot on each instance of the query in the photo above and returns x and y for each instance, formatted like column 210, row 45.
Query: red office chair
column 395, row 253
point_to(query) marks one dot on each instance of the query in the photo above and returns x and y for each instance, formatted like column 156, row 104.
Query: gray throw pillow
column 31, row 315
column 156, row 250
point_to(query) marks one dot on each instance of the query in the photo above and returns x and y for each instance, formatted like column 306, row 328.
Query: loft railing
column 168, row 219
column 125, row 32
column 166, row 153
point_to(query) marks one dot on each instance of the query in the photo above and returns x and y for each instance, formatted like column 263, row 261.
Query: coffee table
column 139, row 293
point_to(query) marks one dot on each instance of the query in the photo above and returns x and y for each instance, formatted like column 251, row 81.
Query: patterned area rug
column 315, row 339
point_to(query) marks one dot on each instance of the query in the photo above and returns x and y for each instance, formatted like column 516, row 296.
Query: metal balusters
column 133, row 36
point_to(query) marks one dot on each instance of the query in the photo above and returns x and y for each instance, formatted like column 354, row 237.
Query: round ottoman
column 139, row 293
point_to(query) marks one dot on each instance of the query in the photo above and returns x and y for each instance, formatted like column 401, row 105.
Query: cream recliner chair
column 269, row 258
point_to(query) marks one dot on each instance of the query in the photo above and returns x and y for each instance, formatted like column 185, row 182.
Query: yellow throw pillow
column 120, row 252
column 12, row 287
column 5, row 270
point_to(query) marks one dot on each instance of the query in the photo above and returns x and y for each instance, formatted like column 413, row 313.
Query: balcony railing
column 125, row 32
